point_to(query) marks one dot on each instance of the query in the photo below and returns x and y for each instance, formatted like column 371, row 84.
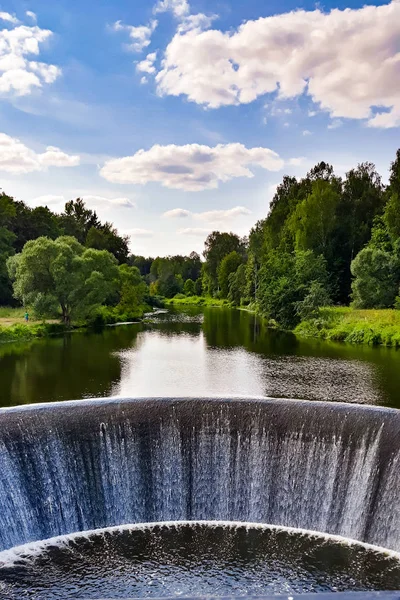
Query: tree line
column 325, row 240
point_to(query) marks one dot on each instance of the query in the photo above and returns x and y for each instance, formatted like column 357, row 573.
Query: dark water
column 220, row 352
column 193, row 559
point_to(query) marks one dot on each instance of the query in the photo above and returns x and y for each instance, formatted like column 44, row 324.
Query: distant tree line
column 326, row 240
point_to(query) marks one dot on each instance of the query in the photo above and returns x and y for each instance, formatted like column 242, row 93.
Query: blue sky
column 144, row 108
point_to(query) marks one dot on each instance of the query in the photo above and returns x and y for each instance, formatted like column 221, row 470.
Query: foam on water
column 193, row 559
column 93, row 464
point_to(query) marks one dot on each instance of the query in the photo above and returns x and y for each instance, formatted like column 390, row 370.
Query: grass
column 373, row 327
column 196, row 301
column 15, row 316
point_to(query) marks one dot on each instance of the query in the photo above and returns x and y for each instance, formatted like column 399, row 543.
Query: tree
column 133, row 289
column 237, row 285
column 228, row 265
column 217, row 246
column 189, row 287
column 7, row 239
column 313, row 221
column 376, row 278
column 77, row 220
column 316, row 298
column 286, row 280
column 62, row 272
column 105, row 237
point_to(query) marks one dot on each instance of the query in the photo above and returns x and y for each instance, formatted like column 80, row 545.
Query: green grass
column 373, row 327
column 196, row 301
column 14, row 333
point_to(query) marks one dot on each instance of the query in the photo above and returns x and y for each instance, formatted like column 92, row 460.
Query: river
column 196, row 352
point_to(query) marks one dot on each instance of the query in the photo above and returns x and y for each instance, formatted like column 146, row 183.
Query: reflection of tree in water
column 227, row 328
column 70, row 367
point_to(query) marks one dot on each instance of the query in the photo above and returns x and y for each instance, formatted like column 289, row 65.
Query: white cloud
column 347, row 61
column 140, row 36
column 147, row 65
column 5, row 16
column 144, row 80
column 177, row 213
column 198, row 22
column 15, row 157
column 307, row 132
column 180, row 8
column 31, row 15
column 93, row 201
column 54, row 157
column 194, row 231
column 335, row 124
column 142, row 233
column 193, row 167
column 18, row 74
column 312, row 113
column 212, row 216
column 112, row 202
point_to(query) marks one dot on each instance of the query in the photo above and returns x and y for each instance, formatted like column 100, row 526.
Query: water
column 220, row 352
column 193, row 559
column 68, row 467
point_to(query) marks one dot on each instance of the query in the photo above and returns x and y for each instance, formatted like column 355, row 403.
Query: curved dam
column 76, row 466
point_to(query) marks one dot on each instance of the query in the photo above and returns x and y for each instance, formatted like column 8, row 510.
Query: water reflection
column 217, row 351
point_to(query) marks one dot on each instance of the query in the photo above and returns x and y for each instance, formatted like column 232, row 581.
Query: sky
column 173, row 118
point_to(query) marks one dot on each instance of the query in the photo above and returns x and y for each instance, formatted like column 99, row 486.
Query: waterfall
column 75, row 466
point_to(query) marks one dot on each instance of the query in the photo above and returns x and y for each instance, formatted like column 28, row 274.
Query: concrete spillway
column 76, row 466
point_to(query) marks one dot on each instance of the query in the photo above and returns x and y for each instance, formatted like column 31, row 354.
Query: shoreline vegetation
column 323, row 263
column 336, row 324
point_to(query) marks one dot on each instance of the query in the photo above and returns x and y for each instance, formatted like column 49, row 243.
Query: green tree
column 63, row 272
column 217, row 246
column 77, row 220
column 133, row 290
column 316, row 298
column 237, row 285
column 313, row 221
column 189, row 287
column 286, row 280
column 105, row 237
column 228, row 265
column 376, row 278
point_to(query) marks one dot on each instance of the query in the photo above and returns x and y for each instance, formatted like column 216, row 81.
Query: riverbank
column 197, row 301
column 344, row 324
column 14, row 328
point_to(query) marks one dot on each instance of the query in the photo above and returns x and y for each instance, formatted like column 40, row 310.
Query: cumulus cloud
column 93, row 201
column 15, row 157
column 147, row 65
column 307, row 132
column 31, row 15
column 5, row 16
column 335, row 124
column 192, row 168
column 347, row 61
column 140, row 36
column 212, row 216
column 177, row 213
column 180, row 8
column 194, row 231
column 18, row 74
column 198, row 22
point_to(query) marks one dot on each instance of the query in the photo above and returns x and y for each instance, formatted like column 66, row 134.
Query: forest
column 326, row 241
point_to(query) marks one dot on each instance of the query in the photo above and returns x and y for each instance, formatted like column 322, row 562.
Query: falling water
column 79, row 466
